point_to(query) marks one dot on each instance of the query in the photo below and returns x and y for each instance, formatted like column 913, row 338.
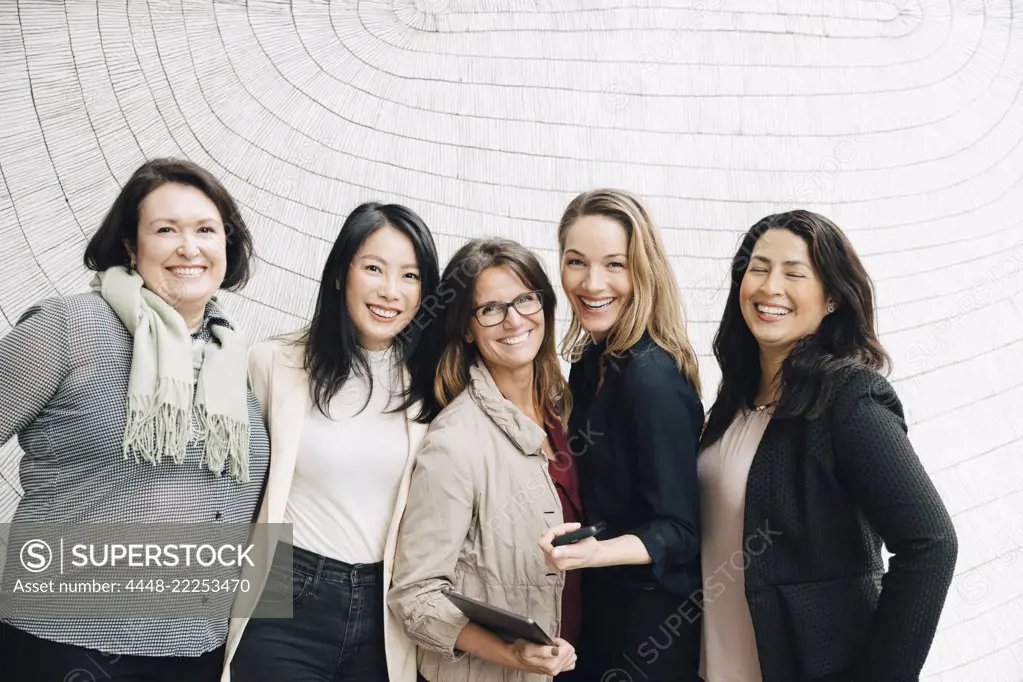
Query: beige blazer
column 282, row 388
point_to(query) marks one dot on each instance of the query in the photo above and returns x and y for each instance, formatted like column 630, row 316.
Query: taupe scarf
column 163, row 391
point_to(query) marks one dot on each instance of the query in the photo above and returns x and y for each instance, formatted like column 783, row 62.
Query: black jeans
column 336, row 633
column 641, row 635
column 30, row 659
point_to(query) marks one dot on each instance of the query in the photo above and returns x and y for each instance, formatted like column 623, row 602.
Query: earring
column 131, row 262
column 831, row 309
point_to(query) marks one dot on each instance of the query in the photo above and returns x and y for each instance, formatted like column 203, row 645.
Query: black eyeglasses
column 492, row 314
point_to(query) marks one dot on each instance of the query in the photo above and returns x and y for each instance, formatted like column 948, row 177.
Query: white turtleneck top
column 349, row 468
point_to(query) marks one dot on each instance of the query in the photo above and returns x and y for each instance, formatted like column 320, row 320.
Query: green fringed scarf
column 163, row 391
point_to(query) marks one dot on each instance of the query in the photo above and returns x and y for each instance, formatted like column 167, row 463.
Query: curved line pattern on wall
column 899, row 119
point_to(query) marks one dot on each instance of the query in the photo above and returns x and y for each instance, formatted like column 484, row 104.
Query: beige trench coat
column 481, row 497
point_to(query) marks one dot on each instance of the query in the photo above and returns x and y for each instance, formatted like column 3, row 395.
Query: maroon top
column 566, row 479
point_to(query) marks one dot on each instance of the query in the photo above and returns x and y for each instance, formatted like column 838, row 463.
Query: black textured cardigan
column 821, row 497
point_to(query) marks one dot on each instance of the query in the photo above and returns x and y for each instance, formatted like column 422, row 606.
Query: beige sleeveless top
column 729, row 643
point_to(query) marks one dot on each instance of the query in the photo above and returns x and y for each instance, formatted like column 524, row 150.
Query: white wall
column 900, row 120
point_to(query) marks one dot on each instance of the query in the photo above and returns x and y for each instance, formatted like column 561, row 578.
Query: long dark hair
column 331, row 350
column 846, row 338
column 456, row 355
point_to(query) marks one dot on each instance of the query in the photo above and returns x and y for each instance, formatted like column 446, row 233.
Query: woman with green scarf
column 132, row 405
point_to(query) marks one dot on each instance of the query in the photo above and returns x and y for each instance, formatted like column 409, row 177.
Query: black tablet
column 505, row 624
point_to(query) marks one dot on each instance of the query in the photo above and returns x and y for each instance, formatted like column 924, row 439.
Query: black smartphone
column 579, row 534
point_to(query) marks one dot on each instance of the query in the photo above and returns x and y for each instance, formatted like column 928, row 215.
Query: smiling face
column 595, row 273
column 781, row 296
column 180, row 249
column 383, row 289
column 513, row 344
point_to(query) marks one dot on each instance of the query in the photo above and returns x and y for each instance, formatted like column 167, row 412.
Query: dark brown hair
column 109, row 246
column 846, row 338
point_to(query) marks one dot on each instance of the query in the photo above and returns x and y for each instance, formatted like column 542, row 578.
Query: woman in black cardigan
column 634, row 432
column 805, row 469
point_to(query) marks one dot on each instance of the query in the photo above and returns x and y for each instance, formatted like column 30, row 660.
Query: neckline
column 379, row 358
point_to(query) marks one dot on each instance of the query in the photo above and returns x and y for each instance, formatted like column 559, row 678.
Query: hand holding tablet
column 532, row 649
column 505, row 624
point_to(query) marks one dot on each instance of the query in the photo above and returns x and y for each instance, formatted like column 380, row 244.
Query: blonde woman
column 488, row 478
column 635, row 432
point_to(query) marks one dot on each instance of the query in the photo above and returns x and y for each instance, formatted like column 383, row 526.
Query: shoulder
column 649, row 373
column 864, row 392
column 264, row 353
column 458, row 418
column 647, row 356
column 91, row 301
column 853, row 384
column 461, row 421
column 75, row 306
column 82, row 326
column 452, row 435
column 85, row 316
column 53, row 308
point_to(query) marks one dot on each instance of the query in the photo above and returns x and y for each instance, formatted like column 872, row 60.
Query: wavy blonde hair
column 458, row 285
column 656, row 305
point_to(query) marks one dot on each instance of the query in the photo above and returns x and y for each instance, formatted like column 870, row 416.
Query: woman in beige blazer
column 486, row 482
column 342, row 401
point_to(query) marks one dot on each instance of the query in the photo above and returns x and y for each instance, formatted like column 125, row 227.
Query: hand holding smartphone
column 579, row 534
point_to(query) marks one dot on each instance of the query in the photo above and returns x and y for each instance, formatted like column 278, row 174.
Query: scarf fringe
column 154, row 427
column 226, row 440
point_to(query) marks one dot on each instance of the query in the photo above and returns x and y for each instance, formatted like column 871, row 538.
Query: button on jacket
column 636, row 442
column 480, row 499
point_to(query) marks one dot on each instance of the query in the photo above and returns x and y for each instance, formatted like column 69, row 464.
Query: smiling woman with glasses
column 490, row 477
